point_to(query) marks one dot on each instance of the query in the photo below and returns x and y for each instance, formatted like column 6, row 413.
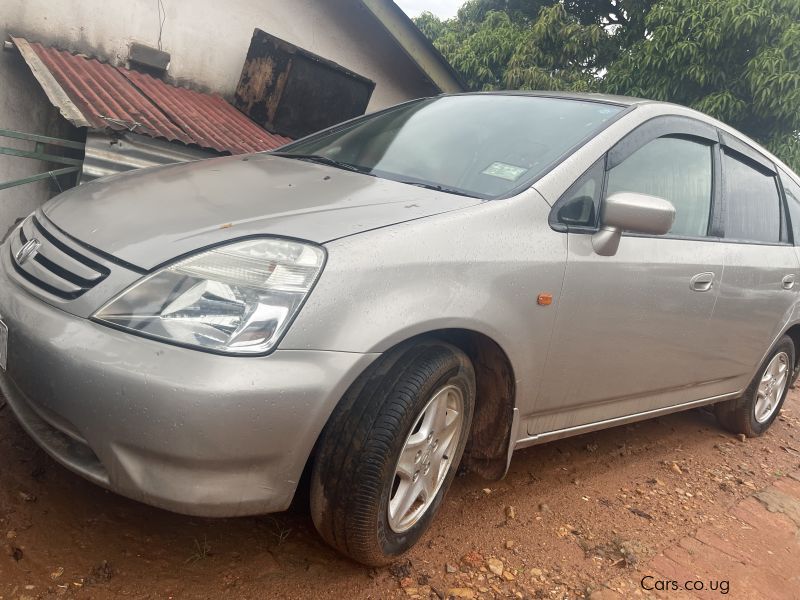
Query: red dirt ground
column 580, row 516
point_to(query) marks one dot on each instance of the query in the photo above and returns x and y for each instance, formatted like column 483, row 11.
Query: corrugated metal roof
column 127, row 151
column 108, row 97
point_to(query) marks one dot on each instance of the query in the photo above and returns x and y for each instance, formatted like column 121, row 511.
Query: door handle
column 702, row 282
column 788, row 282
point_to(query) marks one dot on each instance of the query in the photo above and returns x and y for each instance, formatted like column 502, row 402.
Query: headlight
column 236, row 299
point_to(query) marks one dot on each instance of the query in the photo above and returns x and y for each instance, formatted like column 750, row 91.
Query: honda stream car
column 429, row 287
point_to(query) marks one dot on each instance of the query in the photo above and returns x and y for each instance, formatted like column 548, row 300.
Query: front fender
column 479, row 269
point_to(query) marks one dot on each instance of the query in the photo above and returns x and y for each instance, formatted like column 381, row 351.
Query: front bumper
column 184, row 430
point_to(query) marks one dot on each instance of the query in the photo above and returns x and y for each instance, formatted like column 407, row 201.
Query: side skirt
column 558, row 434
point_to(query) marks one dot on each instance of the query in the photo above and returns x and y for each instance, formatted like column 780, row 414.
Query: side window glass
column 676, row 169
column 752, row 203
column 578, row 206
column 792, row 191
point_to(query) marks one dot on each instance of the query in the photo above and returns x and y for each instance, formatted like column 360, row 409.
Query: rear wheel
column 391, row 450
column 759, row 406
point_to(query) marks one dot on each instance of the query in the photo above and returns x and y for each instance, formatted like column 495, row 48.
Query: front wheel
column 391, row 450
column 759, row 406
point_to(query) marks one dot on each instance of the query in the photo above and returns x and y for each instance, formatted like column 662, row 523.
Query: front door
column 633, row 330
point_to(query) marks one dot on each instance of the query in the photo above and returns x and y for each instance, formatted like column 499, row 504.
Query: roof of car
column 607, row 98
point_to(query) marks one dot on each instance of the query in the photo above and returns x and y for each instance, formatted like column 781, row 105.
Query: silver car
column 434, row 285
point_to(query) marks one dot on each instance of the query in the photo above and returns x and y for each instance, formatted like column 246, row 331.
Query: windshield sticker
column 504, row 171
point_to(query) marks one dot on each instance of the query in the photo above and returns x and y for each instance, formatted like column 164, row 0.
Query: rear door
column 761, row 280
column 633, row 330
column 791, row 192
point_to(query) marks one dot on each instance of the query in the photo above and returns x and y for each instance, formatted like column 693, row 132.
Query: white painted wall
column 207, row 40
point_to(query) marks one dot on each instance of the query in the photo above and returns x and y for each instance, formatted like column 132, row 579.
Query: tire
column 357, row 479
column 747, row 414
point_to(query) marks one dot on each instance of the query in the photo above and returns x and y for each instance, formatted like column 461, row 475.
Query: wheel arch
column 490, row 440
column 794, row 333
column 489, row 444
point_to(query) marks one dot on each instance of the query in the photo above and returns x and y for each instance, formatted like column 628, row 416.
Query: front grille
column 54, row 263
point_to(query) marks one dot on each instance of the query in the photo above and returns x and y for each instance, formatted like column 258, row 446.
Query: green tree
column 737, row 60
column 624, row 18
column 510, row 49
column 557, row 53
column 518, row 10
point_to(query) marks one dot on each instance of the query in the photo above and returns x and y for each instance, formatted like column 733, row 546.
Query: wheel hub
column 426, row 458
column 771, row 387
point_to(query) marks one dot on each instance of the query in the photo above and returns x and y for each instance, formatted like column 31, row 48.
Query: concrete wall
column 207, row 40
column 24, row 107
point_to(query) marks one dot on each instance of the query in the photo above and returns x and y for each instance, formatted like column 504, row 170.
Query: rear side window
column 792, row 191
column 752, row 203
column 676, row 169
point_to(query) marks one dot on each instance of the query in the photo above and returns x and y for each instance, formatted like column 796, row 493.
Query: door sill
column 558, row 434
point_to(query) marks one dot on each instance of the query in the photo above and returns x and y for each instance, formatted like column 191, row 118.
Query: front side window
column 792, row 191
column 752, row 204
column 676, row 169
column 479, row 145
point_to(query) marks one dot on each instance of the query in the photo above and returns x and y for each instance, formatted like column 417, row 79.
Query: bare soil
column 569, row 518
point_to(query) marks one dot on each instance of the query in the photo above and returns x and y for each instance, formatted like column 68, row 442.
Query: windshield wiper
column 438, row 188
column 332, row 162
column 324, row 160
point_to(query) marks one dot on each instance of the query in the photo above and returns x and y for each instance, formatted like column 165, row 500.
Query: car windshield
column 486, row 146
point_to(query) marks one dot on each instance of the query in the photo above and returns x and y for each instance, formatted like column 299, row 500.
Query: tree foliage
column 625, row 18
column 517, row 10
column 737, row 60
column 503, row 44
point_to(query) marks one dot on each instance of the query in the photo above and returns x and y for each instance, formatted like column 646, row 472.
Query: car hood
column 151, row 216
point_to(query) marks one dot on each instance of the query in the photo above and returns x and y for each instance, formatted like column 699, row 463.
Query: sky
column 443, row 9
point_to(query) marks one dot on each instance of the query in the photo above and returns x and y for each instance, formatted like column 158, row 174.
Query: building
column 207, row 42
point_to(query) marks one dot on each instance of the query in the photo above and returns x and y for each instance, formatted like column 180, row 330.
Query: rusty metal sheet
column 93, row 94
column 207, row 118
column 293, row 92
column 52, row 89
column 107, row 156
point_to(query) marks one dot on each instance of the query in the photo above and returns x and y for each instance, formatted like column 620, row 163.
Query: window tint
column 580, row 202
column 675, row 169
column 752, row 203
column 793, row 200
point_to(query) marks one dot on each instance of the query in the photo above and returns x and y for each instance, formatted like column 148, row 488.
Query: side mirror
column 629, row 211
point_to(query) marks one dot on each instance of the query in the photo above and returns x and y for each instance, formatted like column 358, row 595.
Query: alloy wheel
column 771, row 388
column 426, row 458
